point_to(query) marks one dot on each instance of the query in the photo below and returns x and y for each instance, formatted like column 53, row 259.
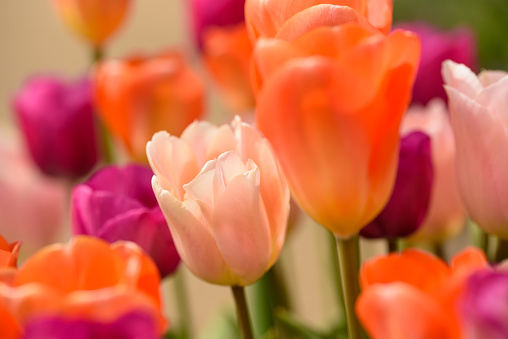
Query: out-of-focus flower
column 32, row 206
column 57, row 122
column 483, row 306
column 225, row 199
column 410, row 198
column 8, row 261
column 479, row 120
column 289, row 19
column 133, row 325
column 117, row 203
column 446, row 215
column 87, row 280
column 227, row 53
column 414, row 294
column 218, row 13
column 437, row 46
column 139, row 96
column 331, row 106
column 94, row 20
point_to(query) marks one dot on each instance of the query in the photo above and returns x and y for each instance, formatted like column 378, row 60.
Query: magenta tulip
column 437, row 46
column 57, row 121
column 410, row 198
column 117, row 203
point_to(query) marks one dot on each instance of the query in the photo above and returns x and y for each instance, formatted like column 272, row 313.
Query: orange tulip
column 86, row 279
column 331, row 106
column 227, row 52
column 289, row 19
column 413, row 294
column 9, row 328
column 139, row 96
column 94, row 20
column 8, row 260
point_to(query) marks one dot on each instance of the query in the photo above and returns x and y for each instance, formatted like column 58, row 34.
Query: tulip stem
column 97, row 55
column 242, row 312
column 501, row 250
column 182, row 304
column 336, row 271
column 349, row 258
column 392, row 245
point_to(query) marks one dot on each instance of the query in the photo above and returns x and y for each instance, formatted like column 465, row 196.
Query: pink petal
column 461, row 78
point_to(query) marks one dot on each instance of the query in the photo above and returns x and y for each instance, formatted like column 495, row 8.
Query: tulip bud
column 410, row 198
column 58, row 125
column 117, row 203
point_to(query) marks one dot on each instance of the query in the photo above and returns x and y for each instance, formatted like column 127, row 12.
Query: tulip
column 57, row 122
column 437, row 46
column 139, row 96
column 331, row 105
column 9, row 328
column 227, row 53
column 446, row 215
column 414, row 294
column 290, row 19
column 219, row 13
column 32, row 206
column 410, row 198
column 93, row 20
column 117, row 203
column 477, row 107
column 483, row 306
column 8, row 262
column 133, row 325
column 88, row 280
column 224, row 197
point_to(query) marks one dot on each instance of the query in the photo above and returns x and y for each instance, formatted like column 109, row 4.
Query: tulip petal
column 488, row 78
column 400, row 311
column 461, row 78
column 9, row 328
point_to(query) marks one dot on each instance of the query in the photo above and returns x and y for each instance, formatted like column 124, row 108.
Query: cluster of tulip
column 338, row 127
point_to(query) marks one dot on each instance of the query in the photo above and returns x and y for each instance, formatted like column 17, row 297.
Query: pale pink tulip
column 224, row 197
column 479, row 116
column 445, row 216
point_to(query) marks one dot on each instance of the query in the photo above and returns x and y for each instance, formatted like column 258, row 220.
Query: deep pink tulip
column 478, row 111
column 437, row 46
column 57, row 121
column 206, row 13
column 410, row 198
column 118, row 203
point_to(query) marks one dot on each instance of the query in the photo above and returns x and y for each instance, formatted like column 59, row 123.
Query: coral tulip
column 331, row 107
column 478, row 116
column 117, row 203
column 227, row 53
column 446, row 215
column 8, row 260
column 89, row 280
column 410, row 198
column 289, row 19
column 32, row 205
column 139, row 96
column 414, row 294
column 437, row 46
column 94, row 20
column 57, row 122
column 224, row 197
column 218, row 13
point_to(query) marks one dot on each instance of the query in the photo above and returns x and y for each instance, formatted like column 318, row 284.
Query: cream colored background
column 34, row 41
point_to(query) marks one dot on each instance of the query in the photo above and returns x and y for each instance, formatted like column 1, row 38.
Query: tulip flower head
column 446, row 215
column 139, row 96
column 224, row 197
column 410, row 198
column 117, row 203
column 57, row 122
column 8, row 260
column 331, row 104
column 478, row 116
column 94, row 20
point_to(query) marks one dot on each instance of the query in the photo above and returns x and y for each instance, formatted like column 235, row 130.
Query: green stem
column 182, row 304
column 97, row 55
column 439, row 250
column 501, row 250
column 349, row 256
column 242, row 312
column 336, row 270
column 392, row 245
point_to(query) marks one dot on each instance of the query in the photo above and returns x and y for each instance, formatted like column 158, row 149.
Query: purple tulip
column 484, row 306
column 118, row 203
column 206, row 13
column 410, row 199
column 437, row 46
column 133, row 325
column 58, row 125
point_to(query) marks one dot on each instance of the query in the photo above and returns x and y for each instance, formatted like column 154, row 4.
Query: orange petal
column 9, row 328
column 469, row 260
